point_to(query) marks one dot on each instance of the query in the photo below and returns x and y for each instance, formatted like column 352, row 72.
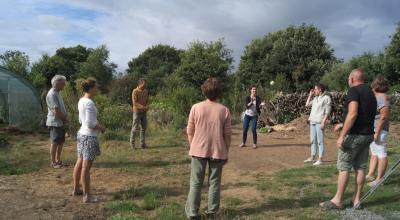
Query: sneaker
column 241, row 145
column 254, row 146
column 369, row 178
column 55, row 166
column 317, row 163
column 309, row 160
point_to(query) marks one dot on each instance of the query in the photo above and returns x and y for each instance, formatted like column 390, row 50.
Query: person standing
column 253, row 108
column 320, row 111
column 57, row 118
column 356, row 134
column 88, row 147
column 140, row 106
column 209, row 133
column 378, row 148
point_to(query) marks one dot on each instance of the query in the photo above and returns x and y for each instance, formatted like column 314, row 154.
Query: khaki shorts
column 355, row 152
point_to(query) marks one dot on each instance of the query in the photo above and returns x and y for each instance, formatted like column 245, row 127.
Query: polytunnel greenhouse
column 20, row 104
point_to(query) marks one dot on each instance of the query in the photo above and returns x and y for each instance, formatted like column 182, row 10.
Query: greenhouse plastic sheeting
column 20, row 104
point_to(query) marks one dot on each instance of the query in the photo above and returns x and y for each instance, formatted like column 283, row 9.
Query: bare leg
column 85, row 177
column 360, row 178
column 382, row 165
column 58, row 152
column 343, row 179
column 53, row 150
column 372, row 165
column 77, row 174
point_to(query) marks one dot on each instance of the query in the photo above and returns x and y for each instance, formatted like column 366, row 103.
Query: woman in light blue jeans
column 320, row 110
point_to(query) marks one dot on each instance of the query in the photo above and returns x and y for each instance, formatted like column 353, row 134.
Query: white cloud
column 129, row 27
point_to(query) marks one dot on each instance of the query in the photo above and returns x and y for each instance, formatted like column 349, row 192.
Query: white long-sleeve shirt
column 87, row 117
column 321, row 106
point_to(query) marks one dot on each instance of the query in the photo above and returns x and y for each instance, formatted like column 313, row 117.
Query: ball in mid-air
column 272, row 83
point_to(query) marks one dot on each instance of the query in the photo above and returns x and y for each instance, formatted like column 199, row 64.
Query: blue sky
column 128, row 27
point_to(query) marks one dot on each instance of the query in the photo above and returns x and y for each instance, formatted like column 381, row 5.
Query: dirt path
column 45, row 194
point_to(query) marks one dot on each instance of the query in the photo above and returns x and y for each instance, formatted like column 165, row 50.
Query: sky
column 128, row 27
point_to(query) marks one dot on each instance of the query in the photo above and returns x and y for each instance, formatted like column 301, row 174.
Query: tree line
column 295, row 58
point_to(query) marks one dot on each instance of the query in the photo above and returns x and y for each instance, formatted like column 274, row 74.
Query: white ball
column 272, row 83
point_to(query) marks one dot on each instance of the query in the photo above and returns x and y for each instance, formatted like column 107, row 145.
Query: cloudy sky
column 128, row 27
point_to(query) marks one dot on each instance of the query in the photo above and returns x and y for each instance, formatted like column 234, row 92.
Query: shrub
column 173, row 107
column 71, row 98
column 115, row 117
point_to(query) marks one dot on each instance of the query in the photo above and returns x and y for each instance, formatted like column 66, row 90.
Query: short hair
column 56, row 79
column 88, row 83
column 321, row 86
column 358, row 74
column 252, row 86
column 142, row 80
column 380, row 84
column 211, row 88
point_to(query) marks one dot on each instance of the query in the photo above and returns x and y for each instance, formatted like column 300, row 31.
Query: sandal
column 77, row 193
column 330, row 205
column 89, row 199
column 356, row 206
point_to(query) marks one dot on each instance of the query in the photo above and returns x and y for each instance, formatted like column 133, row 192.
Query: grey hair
column 56, row 79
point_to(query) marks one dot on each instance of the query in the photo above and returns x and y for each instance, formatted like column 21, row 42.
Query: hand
column 339, row 142
column 311, row 92
column 322, row 125
column 338, row 127
column 376, row 136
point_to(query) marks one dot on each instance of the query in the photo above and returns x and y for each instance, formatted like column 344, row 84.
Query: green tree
column 392, row 58
column 155, row 64
column 97, row 65
column 371, row 64
column 297, row 53
column 202, row 60
column 15, row 61
column 73, row 57
column 45, row 68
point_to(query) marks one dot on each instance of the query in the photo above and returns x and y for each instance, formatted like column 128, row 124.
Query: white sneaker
column 254, row 146
column 241, row 145
column 317, row 163
column 309, row 160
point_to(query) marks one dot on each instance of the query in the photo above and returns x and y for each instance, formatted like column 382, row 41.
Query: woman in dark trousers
column 253, row 109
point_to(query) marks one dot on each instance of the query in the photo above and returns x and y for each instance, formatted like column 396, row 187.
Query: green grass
column 163, row 173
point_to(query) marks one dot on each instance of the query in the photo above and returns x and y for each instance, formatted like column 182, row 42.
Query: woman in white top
column 320, row 111
column 87, row 143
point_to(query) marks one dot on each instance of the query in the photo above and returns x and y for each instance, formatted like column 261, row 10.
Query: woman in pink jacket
column 209, row 133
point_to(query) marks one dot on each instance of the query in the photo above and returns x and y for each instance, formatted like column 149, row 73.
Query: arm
column 191, row 126
column 135, row 101
column 90, row 119
column 59, row 114
column 385, row 113
column 309, row 100
column 348, row 123
column 53, row 104
column 228, row 130
column 248, row 102
column 327, row 111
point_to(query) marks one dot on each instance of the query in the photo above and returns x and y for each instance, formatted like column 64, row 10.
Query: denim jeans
column 317, row 139
column 246, row 122
column 197, row 174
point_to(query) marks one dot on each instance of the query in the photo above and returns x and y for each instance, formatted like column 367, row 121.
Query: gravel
column 363, row 214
